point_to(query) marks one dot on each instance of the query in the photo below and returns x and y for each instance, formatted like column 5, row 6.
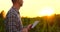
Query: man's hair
column 13, row 1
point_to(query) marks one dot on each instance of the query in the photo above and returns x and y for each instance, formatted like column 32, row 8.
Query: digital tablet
column 34, row 24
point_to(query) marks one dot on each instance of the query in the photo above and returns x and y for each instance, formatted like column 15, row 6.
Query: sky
column 32, row 8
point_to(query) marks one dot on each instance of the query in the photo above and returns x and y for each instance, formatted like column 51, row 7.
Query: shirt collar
column 16, row 10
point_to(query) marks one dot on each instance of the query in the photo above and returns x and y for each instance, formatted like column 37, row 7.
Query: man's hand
column 27, row 28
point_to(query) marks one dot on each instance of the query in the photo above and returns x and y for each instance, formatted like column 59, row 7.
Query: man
column 13, row 21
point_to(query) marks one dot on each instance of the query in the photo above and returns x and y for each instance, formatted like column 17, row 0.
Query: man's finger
column 29, row 26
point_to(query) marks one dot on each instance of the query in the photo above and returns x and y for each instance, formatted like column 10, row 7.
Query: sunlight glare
column 47, row 11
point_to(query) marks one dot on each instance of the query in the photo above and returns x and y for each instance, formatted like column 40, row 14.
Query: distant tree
column 2, row 21
column 2, row 14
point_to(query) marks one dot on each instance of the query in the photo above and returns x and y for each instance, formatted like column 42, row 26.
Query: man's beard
column 21, row 4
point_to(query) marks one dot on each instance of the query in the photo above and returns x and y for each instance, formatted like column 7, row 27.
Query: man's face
column 20, row 2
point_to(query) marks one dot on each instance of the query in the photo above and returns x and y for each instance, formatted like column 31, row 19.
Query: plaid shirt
column 13, row 21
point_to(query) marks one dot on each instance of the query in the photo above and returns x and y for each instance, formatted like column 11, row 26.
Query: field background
column 46, row 24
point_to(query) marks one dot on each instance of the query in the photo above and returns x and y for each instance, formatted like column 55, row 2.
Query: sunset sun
column 47, row 11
